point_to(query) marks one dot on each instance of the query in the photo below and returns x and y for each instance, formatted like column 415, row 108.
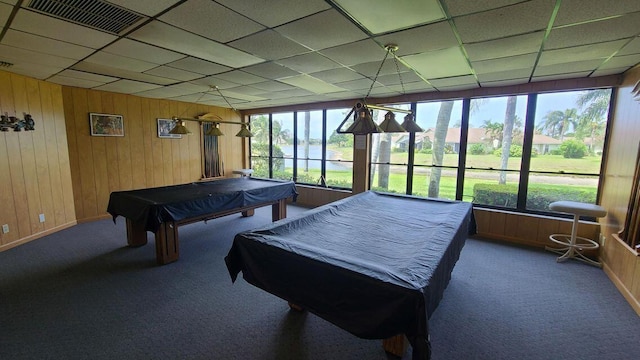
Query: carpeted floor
column 83, row 294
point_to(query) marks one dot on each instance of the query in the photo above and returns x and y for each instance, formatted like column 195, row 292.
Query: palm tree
column 507, row 136
column 595, row 107
column 557, row 122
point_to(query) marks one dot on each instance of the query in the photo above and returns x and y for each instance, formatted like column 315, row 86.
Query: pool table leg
column 396, row 345
column 279, row 210
column 167, row 246
column 136, row 234
column 248, row 213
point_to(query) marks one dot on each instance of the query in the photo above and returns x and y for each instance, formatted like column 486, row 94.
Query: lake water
column 315, row 152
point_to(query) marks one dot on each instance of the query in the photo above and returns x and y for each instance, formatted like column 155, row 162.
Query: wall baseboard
column 37, row 236
column 635, row 304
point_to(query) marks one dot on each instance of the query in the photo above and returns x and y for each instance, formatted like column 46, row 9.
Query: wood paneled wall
column 621, row 263
column 35, row 176
column 140, row 159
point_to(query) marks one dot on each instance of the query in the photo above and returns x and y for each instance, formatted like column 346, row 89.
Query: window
column 517, row 152
column 567, row 147
column 492, row 173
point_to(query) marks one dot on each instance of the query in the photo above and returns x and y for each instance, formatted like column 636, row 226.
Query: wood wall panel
column 139, row 159
column 622, row 264
column 34, row 165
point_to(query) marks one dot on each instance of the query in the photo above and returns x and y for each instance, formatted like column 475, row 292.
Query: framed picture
column 164, row 126
column 106, row 124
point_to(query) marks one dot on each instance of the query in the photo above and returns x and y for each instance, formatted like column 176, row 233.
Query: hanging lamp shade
column 244, row 132
column 409, row 125
column 179, row 129
column 364, row 123
column 390, row 125
column 214, row 130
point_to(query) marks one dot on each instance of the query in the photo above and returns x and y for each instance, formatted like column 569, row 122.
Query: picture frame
column 164, row 126
column 106, row 124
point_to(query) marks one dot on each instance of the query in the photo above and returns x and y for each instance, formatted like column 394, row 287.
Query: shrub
column 538, row 197
column 573, row 149
column 476, row 149
column 515, row 151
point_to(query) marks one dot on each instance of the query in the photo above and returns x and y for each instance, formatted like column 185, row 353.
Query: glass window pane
column 438, row 145
column 448, row 179
column 389, row 155
column 568, row 142
column 312, row 175
column 339, row 166
column 260, row 145
column 484, row 187
column 282, row 145
column 309, row 146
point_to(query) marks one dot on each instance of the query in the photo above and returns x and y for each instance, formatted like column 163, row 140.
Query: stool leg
column 572, row 243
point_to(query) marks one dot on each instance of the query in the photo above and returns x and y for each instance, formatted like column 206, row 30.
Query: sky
column 490, row 109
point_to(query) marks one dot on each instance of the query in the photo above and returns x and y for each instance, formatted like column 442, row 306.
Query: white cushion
column 578, row 208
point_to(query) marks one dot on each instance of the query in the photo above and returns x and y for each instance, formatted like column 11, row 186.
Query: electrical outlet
column 5, row 228
column 41, row 218
column 602, row 239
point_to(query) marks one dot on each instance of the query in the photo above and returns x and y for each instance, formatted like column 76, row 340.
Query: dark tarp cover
column 375, row 265
column 154, row 206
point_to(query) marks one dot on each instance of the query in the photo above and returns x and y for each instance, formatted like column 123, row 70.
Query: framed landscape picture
column 164, row 126
column 106, row 124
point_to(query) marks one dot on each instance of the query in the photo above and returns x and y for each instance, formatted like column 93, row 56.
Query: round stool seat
column 578, row 208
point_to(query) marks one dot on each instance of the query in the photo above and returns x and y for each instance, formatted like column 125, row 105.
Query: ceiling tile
column 381, row 16
column 578, row 53
column 424, row 38
column 370, row 69
column 413, row 87
column 337, row 75
column 504, row 82
column 117, row 72
column 87, row 76
column 356, row 53
column 575, row 11
column 269, row 45
column 562, row 75
column 280, row 11
column 16, row 55
column 440, row 63
column 308, row 63
column 70, row 81
column 36, row 71
column 211, row 20
column 169, row 37
column 312, row 84
column 322, row 30
column 466, row 80
column 633, row 47
column 521, row 18
column 45, row 45
column 240, row 77
column 240, row 96
column 198, row 98
column 360, row 84
column 621, row 61
column 173, row 73
column 504, row 74
column 397, row 79
column 199, row 66
column 31, row 22
column 137, row 50
column 510, row 46
column 463, row 7
column 214, row 81
column 126, row 86
column 272, row 86
column 149, row 8
column 5, row 11
column 270, row 70
column 288, row 93
column 567, row 68
column 606, row 72
column 121, row 62
column 526, row 61
column 247, row 90
column 594, row 32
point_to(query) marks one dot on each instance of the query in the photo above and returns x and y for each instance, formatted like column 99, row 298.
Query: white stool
column 573, row 245
column 243, row 172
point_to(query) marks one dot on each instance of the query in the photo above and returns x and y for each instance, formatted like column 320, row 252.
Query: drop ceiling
column 264, row 53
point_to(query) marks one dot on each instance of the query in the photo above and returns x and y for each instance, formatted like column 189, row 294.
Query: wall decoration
column 106, row 124
column 164, row 126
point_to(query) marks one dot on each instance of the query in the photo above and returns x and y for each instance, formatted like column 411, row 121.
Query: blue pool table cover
column 375, row 265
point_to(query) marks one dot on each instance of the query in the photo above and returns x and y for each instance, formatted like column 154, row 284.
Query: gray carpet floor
column 81, row 293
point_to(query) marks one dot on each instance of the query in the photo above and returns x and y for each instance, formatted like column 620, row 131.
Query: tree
column 384, row 155
column 507, row 136
column 439, row 139
column 341, row 140
column 307, row 126
column 556, row 123
column 595, row 106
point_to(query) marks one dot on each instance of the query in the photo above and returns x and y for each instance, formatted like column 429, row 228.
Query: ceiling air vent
column 94, row 13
